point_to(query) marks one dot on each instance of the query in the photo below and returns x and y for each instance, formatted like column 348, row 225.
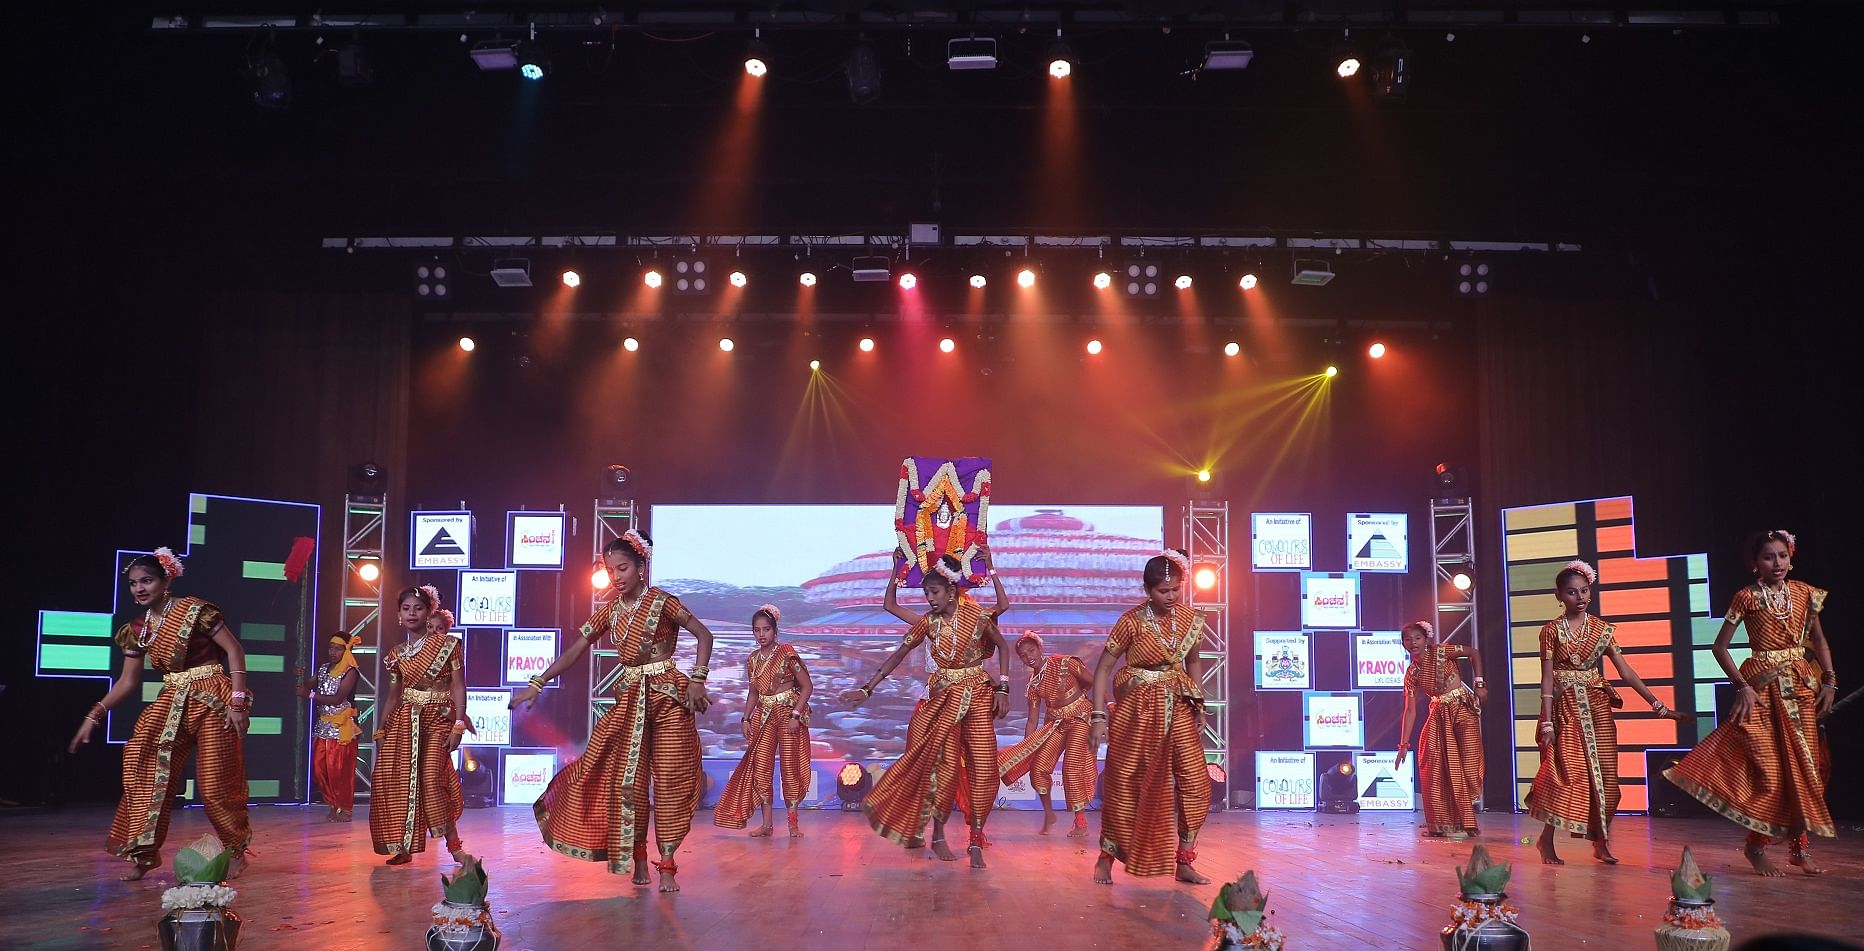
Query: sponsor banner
column 1332, row 720
column 1378, row 541
column 1020, row 794
column 526, row 775
column 489, row 712
column 527, row 654
column 1383, row 786
column 1379, row 661
column 488, row 599
column 535, row 539
column 440, row 540
column 1284, row 780
column 1283, row 661
column 1281, row 541
column 1329, row 599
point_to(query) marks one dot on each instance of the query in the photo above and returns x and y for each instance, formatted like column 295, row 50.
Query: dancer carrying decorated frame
column 1063, row 685
column 643, row 755
column 414, row 791
column 1155, row 790
column 203, row 708
column 951, row 740
column 776, row 728
column 1449, row 753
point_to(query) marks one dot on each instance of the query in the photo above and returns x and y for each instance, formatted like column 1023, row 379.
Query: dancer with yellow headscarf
column 335, row 735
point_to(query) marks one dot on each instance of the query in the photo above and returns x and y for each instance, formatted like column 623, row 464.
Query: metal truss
column 1453, row 546
column 365, row 527
column 1207, row 542
column 611, row 520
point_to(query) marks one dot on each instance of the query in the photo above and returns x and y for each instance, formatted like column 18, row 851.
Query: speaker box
column 1666, row 799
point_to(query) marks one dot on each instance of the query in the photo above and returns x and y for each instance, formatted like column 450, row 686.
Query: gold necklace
column 146, row 636
column 1567, row 631
column 1779, row 605
column 1170, row 642
column 759, row 669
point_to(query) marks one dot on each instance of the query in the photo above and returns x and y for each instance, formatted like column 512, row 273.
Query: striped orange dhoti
column 1062, row 739
column 774, row 734
column 1449, row 763
column 594, row 808
column 1576, row 788
column 950, row 742
column 186, row 718
column 1768, row 770
column 414, row 791
column 1155, row 777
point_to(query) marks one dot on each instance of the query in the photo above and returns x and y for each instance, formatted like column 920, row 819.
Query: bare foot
column 1080, row 827
column 136, row 873
column 1603, row 853
column 668, row 883
column 977, row 855
column 1547, row 856
column 1103, row 870
column 1048, row 822
column 1189, row 875
column 1456, row 836
column 1803, row 859
column 237, row 866
column 346, row 816
column 943, row 851
column 399, row 858
column 761, row 832
column 1762, row 864
column 796, row 831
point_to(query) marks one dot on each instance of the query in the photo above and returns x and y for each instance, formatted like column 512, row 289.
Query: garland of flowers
column 1470, row 915
column 1265, row 936
column 1586, row 571
column 457, row 920
column 191, row 897
column 1692, row 918
column 171, row 565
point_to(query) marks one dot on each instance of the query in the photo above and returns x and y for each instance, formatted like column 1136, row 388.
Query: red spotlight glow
column 1025, row 278
column 1060, row 68
column 908, row 282
column 1376, row 351
column 725, row 344
column 368, row 571
column 652, row 279
column 756, row 66
column 738, row 279
column 572, row 279
column 1332, row 372
column 1093, row 346
column 867, row 345
column 815, row 364
column 1232, row 349
column 598, row 579
column 947, row 345
column 1183, row 282
column 806, row 279
column 1102, row 281
column 977, row 280
column 1205, row 577
column 1348, row 68
column 630, row 344
column 1462, row 581
column 466, row 344
column 1248, row 282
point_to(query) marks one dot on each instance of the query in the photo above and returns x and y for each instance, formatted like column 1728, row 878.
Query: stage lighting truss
column 1142, row 278
column 613, row 517
column 365, row 540
column 1206, row 536
column 1453, row 552
column 690, row 276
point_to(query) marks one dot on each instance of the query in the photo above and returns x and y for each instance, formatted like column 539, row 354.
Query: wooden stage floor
column 1334, row 882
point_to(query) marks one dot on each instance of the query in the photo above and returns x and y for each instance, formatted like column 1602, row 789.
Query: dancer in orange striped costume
column 202, row 706
column 776, row 721
column 643, row 755
column 953, row 728
column 1576, row 788
column 414, row 791
column 1154, row 792
column 1449, row 754
column 1063, row 685
column 1765, row 766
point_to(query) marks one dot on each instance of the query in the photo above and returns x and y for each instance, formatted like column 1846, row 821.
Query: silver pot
column 474, row 938
column 199, row 929
column 1491, row 935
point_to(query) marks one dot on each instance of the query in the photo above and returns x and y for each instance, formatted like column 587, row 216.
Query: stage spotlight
column 738, row 279
column 367, row 481
column 1247, row 283
column 1332, row 371
column 1232, row 349
column 368, row 571
column 971, row 53
column 1462, row 580
column 532, row 64
column 1376, row 351
column 806, row 279
column 1102, row 281
column 1472, row 279
column 947, row 345
column 598, row 577
column 1447, row 483
column 863, row 71
column 690, row 277
column 1183, row 282
column 1061, row 59
column 616, row 485
column 475, row 781
column 269, row 81
column 1025, row 278
column 815, row 364
column 1219, row 784
column 1205, row 577
column 1346, row 61
column 1391, row 71
column 652, row 279
column 1203, row 475
column 725, row 344
column 851, row 785
column 630, row 344
column 908, row 282
column 757, row 57
column 1142, row 278
column 867, row 345
column 467, row 344
column 1339, row 794
column 1093, row 347
column 978, row 280
column 431, row 280
column 572, row 279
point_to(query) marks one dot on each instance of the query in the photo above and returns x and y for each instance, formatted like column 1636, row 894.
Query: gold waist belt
column 180, row 677
column 1074, row 708
column 1461, row 693
column 411, row 695
column 774, row 699
column 1145, row 676
column 1776, row 658
column 632, row 675
column 946, row 676
column 1577, row 678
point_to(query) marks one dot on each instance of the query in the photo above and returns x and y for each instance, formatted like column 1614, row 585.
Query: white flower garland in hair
column 951, row 575
column 639, row 544
column 1585, row 571
column 190, row 897
column 444, row 613
column 1792, row 542
column 171, row 563
column 776, row 616
column 1429, row 629
column 433, row 593
column 1178, row 558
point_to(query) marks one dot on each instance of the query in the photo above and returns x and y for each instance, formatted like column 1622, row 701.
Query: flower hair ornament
column 1780, row 535
column 639, row 544
column 776, row 616
column 433, row 595
column 170, row 562
column 953, row 575
column 1031, row 637
column 1429, row 629
column 1178, row 558
column 1585, row 571
column 445, row 615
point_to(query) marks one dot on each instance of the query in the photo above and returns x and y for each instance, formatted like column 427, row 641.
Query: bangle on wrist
column 537, row 683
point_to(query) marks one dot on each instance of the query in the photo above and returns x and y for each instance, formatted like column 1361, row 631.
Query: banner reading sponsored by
column 1330, row 599
column 526, row 775
column 534, row 539
column 489, row 712
column 1281, row 541
column 439, row 540
column 1283, row 661
column 1332, row 721
column 1378, row 542
column 488, row 599
column 1382, row 785
column 527, row 654
column 1379, row 660
column 1284, row 780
